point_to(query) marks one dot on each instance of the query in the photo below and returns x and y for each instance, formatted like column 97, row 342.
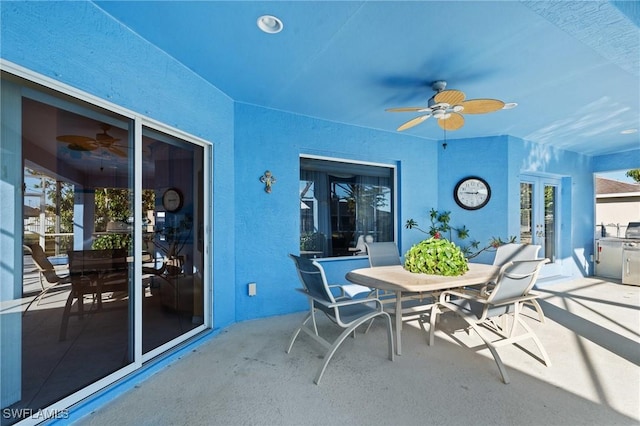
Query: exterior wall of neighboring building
column 617, row 204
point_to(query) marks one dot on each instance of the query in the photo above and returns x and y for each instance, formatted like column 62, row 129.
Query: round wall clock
column 472, row 193
column 172, row 200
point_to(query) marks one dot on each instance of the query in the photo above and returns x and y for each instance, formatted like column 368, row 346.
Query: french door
column 539, row 224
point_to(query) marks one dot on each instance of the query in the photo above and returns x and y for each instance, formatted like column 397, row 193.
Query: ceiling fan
column 447, row 106
column 85, row 143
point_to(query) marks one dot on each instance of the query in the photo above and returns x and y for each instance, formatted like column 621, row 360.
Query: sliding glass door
column 109, row 229
column 173, row 247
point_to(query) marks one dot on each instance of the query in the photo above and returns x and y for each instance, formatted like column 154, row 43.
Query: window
column 344, row 204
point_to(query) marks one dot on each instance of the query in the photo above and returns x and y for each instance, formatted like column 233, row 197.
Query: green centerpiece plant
column 436, row 256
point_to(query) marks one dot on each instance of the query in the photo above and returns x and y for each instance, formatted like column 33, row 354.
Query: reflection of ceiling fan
column 448, row 106
column 85, row 143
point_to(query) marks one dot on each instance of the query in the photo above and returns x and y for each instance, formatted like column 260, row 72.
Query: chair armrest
column 476, row 297
column 339, row 287
column 516, row 300
column 486, row 289
column 363, row 301
column 342, row 302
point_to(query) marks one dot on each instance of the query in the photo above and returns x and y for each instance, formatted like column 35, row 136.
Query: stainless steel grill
column 633, row 231
column 619, row 258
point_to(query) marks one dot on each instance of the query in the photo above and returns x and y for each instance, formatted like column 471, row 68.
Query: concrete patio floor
column 243, row 376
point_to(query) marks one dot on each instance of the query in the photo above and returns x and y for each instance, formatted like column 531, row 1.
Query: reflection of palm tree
column 362, row 197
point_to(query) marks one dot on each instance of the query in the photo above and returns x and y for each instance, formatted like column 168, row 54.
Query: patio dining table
column 398, row 280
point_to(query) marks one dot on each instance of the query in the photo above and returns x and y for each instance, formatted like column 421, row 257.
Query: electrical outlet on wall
column 252, row 289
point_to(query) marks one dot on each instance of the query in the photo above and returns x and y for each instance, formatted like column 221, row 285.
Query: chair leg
column 392, row 350
column 494, row 353
column 37, row 298
column 369, row 326
column 297, row 332
column 537, row 342
column 331, row 351
column 538, row 309
column 501, row 367
column 336, row 344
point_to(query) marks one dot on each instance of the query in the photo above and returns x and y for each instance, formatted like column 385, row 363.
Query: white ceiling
column 573, row 67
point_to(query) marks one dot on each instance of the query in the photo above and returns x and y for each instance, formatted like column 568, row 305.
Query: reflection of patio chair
column 360, row 249
column 46, row 273
column 483, row 310
column 94, row 273
column 346, row 313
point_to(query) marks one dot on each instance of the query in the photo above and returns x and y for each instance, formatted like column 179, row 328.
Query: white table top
column 396, row 278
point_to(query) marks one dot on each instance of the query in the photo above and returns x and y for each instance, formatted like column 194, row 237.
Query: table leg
column 432, row 321
column 399, row 322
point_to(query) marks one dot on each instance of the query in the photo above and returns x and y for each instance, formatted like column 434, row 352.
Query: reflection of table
column 397, row 279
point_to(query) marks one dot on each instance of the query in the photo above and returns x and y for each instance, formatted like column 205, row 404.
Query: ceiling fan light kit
column 447, row 106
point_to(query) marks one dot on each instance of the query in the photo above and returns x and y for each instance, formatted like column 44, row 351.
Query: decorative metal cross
column 268, row 179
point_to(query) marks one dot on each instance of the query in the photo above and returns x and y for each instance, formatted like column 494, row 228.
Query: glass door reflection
column 172, row 254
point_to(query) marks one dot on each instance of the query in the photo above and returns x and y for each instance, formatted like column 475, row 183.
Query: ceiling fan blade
column 117, row 151
column 105, row 140
column 451, row 97
column 454, row 122
column 481, row 106
column 413, row 122
column 408, row 109
column 74, row 139
column 77, row 147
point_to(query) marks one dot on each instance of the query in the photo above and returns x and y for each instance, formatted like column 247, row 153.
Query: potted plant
column 436, row 256
column 440, row 255
column 170, row 238
column 440, row 225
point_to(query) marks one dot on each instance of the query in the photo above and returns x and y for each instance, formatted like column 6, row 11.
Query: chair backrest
column 42, row 263
column 383, row 254
column 313, row 279
column 516, row 279
column 513, row 252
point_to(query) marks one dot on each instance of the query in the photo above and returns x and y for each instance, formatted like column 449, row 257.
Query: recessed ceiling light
column 629, row 131
column 510, row 105
column 270, row 24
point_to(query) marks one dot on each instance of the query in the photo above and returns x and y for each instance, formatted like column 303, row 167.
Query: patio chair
column 413, row 304
column 513, row 252
column 497, row 310
column 47, row 273
column 343, row 311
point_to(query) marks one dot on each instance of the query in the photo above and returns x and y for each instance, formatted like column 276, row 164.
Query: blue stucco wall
column 77, row 44
column 620, row 161
column 267, row 225
column 485, row 158
column 501, row 160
